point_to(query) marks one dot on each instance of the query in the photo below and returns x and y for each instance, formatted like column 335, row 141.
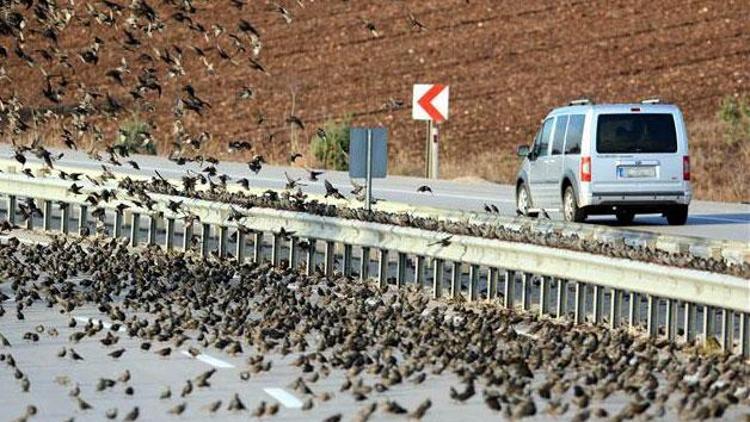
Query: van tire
column 571, row 211
column 677, row 215
column 523, row 200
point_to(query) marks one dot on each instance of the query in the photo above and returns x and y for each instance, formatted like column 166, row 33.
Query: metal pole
column 310, row 264
column 633, row 309
column 670, row 323
column 117, row 223
column 492, row 277
column 347, row 260
column 82, row 218
column 689, row 314
column 257, row 247
column 401, row 272
column 383, row 269
column 727, row 330
column 709, row 319
column 525, row 291
column 434, row 151
column 562, row 298
column 745, row 334
column 652, row 322
column 169, row 241
column 456, row 280
column 427, row 150
column 368, row 197
column 293, row 252
column 543, row 295
column 330, row 257
column 151, row 230
column 473, row 281
column 615, row 306
column 510, row 284
column 419, row 272
column 205, row 237
column 598, row 304
column 12, row 209
column 187, row 235
column 135, row 227
column 364, row 264
column 240, row 247
column 223, row 241
column 437, row 278
column 64, row 218
column 580, row 303
column 47, row 223
column 275, row 249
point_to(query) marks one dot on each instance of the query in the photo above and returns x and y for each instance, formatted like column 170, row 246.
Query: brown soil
column 507, row 64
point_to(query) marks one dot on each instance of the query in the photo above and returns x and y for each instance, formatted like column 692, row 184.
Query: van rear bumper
column 638, row 198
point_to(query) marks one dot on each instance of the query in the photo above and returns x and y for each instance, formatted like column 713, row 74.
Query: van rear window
column 635, row 133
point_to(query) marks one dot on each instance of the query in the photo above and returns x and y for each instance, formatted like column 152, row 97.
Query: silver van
column 621, row 159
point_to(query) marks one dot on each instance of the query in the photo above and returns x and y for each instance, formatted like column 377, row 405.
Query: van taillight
column 686, row 168
column 585, row 169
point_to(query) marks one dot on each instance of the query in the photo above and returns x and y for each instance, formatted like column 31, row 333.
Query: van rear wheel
column 571, row 211
column 677, row 215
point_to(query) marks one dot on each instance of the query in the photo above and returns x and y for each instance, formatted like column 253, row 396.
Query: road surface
column 710, row 220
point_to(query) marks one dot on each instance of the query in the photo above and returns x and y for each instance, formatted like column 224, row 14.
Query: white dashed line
column 209, row 360
column 105, row 324
column 285, row 398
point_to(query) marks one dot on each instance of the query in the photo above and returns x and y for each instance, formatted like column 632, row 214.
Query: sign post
column 430, row 102
column 368, row 157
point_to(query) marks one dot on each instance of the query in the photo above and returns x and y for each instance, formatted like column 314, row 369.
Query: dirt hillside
column 507, row 63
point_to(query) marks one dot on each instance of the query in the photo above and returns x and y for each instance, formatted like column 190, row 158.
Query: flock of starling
column 379, row 340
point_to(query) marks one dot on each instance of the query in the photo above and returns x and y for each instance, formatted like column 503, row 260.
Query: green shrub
column 734, row 113
column 331, row 148
column 134, row 134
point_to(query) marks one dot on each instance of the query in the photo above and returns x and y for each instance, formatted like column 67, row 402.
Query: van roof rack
column 581, row 101
column 651, row 101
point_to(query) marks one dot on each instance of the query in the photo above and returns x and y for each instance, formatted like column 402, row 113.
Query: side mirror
column 522, row 151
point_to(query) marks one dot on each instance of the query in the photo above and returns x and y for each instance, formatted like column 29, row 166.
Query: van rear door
column 638, row 154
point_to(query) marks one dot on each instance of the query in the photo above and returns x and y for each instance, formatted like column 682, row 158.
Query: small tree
column 735, row 114
column 134, row 134
column 330, row 146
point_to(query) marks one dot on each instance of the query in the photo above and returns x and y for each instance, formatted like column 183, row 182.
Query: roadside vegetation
column 330, row 145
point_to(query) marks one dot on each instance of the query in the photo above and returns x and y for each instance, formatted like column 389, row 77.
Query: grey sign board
column 358, row 152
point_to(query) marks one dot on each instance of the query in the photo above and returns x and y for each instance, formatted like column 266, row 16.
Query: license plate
column 642, row 171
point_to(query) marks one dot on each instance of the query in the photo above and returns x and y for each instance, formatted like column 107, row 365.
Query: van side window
column 543, row 145
column 559, row 138
column 574, row 134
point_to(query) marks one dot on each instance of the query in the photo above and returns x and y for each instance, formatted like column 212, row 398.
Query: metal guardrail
column 552, row 282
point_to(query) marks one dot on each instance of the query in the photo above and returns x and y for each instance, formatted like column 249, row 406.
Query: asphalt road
column 710, row 220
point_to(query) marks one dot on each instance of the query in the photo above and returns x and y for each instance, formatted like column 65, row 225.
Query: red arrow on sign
column 426, row 102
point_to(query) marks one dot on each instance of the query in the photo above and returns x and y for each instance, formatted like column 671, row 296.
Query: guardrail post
column 562, row 298
column 187, row 235
column 473, row 282
column 30, row 222
column 456, row 280
column 169, row 234
column 727, row 330
column 347, row 260
column 12, row 202
column 670, row 323
column 293, row 252
column 492, row 278
column 64, row 217
column 437, row 278
column 83, row 212
column 633, row 309
column 47, row 215
column 151, row 230
column 330, row 258
column 275, row 248
column 509, row 291
column 205, row 238
column 689, row 315
column 223, row 241
column 709, row 320
column 419, row 271
column 310, row 265
column 580, row 303
column 615, row 308
column 258, row 247
column 526, row 291
column 364, row 264
column 240, row 246
column 383, row 268
column 745, row 334
column 543, row 295
column 597, row 304
column 401, row 270
column 652, row 318
column 117, row 225
column 135, row 228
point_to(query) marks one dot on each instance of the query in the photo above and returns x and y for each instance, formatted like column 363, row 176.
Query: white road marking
column 105, row 324
column 209, row 360
column 284, row 397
